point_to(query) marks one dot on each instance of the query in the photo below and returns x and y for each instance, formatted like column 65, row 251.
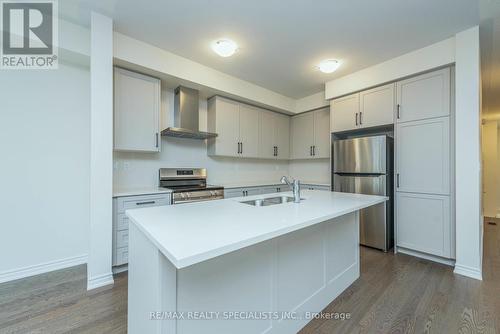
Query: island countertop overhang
column 191, row 233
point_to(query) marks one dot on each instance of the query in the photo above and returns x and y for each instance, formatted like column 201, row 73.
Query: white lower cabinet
column 121, row 221
column 315, row 187
column 424, row 223
column 251, row 191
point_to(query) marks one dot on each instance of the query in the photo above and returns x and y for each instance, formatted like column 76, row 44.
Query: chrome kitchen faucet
column 295, row 185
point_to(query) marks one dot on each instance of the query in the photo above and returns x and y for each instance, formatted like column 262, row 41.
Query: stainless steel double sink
column 270, row 201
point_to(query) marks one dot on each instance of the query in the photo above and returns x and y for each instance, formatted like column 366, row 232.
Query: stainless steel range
column 189, row 185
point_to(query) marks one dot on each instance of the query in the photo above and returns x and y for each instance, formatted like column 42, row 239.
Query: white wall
column 491, row 172
column 133, row 51
column 427, row 58
column 469, row 222
column 101, row 152
column 312, row 171
column 44, row 174
column 141, row 169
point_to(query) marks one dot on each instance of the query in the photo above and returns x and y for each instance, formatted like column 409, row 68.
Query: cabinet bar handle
column 314, row 149
column 241, row 151
column 277, row 151
column 156, row 138
column 310, row 151
column 145, row 203
column 398, row 111
column 397, row 180
column 360, row 118
column 356, row 119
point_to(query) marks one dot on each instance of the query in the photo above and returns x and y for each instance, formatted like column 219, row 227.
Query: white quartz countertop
column 191, row 233
column 122, row 192
column 232, row 185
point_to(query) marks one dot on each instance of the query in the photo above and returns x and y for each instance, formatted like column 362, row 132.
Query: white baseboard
column 434, row 258
column 42, row 268
column 100, row 281
column 468, row 272
column 120, row 269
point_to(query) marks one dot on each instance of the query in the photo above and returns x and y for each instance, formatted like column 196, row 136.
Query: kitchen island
column 231, row 267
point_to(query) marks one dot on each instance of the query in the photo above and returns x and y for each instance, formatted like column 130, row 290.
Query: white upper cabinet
column 224, row 119
column 377, row 106
column 423, row 156
column 266, row 135
column 344, row 113
column 282, row 136
column 237, row 126
column 369, row 108
column 136, row 112
column 321, row 148
column 310, row 135
column 274, row 135
column 249, row 131
column 424, row 96
column 302, row 136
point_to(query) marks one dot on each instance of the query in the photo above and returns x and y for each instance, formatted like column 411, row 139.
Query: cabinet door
column 425, row 96
column 423, row 156
column 268, row 190
column 136, row 112
column 266, row 135
column 230, row 193
column 227, row 126
column 377, row 106
column 249, row 131
column 321, row 133
column 282, row 136
column 344, row 113
column 302, row 134
column 423, row 223
column 253, row 191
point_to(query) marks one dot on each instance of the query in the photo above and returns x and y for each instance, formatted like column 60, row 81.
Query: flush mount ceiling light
column 329, row 65
column 224, row 47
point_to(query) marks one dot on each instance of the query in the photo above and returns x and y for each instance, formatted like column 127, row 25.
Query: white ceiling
column 282, row 40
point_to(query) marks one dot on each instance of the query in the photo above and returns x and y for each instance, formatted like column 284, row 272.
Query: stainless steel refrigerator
column 365, row 166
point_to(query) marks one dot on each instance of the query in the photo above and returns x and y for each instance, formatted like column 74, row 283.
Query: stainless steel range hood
column 186, row 116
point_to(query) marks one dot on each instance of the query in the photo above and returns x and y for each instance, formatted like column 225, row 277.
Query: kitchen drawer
column 135, row 202
column 121, row 256
column 121, row 238
column 121, row 222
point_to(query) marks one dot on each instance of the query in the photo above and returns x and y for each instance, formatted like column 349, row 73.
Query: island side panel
column 302, row 271
column 151, row 286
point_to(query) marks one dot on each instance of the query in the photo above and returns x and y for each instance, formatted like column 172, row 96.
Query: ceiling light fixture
column 329, row 65
column 224, row 47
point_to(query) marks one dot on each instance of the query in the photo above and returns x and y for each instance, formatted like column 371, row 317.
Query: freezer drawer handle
column 145, row 203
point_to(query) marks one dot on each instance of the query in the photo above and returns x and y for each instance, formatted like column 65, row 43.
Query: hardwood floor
column 395, row 294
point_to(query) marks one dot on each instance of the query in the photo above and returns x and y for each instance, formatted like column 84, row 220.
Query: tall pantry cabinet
column 423, row 171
